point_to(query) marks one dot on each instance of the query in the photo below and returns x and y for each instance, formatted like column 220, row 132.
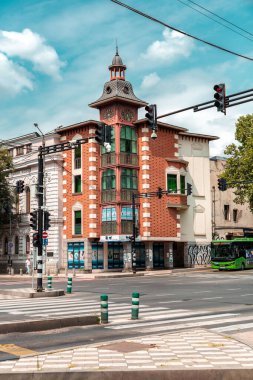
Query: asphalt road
column 196, row 293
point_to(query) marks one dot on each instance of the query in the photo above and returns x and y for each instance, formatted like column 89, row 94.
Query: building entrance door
column 158, row 255
column 140, row 255
column 115, row 255
column 76, row 255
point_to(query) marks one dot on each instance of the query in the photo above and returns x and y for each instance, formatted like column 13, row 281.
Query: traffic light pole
column 134, row 234
column 40, row 195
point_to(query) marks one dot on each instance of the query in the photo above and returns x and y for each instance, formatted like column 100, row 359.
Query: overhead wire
column 222, row 18
column 179, row 31
column 211, row 18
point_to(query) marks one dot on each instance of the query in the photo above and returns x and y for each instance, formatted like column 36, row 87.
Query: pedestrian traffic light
column 222, row 184
column 47, row 220
column 20, row 186
column 159, row 192
column 151, row 116
column 36, row 240
column 34, row 220
column 100, row 133
column 189, row 189
column 219, row 95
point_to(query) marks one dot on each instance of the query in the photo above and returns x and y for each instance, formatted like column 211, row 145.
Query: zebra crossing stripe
column 239, row 326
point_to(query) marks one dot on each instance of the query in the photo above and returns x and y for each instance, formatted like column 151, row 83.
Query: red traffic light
column 218, row 88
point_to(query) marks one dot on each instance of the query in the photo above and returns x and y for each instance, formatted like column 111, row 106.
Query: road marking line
column 240, row 326
column 210, row 298
column 16, row 350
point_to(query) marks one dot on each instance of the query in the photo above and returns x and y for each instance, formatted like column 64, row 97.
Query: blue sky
column 54, row 57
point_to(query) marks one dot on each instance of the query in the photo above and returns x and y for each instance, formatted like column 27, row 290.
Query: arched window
column 27, row 244
column 16, row 245
column 28, row 199
column 108, row 179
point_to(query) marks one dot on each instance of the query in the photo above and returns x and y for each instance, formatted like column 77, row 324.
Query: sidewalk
column 97, row 274
column 190, row 354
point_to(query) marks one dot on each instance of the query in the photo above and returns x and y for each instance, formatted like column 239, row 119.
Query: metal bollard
column 49, row 282
column 69, row 286
column 135, row 305
column 104, row 308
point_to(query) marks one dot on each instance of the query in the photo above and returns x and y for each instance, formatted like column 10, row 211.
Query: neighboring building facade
column 98, row 186
column 16, row 235
column 228, row 218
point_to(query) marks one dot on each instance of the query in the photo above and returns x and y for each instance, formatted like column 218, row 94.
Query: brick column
column 127, row 257
column 93, row 186
column 145, row 182
column 105, row 251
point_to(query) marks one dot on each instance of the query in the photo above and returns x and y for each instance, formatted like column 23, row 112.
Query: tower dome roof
column 117, row 61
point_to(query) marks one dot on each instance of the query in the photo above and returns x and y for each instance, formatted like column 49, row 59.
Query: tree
column 239, row 165
column 6, row 193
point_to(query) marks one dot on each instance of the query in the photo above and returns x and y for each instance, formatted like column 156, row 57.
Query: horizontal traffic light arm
column 210, row 104
column 62, row 147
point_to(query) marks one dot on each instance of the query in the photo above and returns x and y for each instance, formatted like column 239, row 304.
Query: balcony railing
column 108, row 159
column 109, row 228
column 126, row 227
column 128, row 159
column 126, row 194
column 108, row 196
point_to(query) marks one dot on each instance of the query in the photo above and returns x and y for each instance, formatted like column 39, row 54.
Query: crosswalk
column 160, row 319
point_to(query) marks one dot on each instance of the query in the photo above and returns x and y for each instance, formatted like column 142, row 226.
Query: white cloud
column 173, row 46
column 13, row 78
column 30, row 46
column 150, row 81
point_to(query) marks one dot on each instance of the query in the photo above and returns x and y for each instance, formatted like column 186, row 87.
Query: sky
column 54, row 58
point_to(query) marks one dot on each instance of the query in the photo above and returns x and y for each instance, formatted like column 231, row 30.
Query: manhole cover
column 127, row 346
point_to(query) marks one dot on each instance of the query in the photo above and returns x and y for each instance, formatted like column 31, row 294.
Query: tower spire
column 117, row 68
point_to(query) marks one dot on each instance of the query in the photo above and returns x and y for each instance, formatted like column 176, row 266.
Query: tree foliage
column 239, row 165
column 6, row 193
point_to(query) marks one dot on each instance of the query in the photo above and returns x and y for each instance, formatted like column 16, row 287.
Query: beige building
column 228, row 218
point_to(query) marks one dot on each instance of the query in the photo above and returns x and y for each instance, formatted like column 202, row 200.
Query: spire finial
column 117, row 49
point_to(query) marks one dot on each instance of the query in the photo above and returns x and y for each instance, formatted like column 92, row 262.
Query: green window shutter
column 172, row 183
column 182, row 184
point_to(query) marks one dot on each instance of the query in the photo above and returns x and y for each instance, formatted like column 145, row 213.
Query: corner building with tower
column 174, row 230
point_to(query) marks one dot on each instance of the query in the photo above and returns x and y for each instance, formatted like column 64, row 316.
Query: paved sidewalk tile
column 198, row 348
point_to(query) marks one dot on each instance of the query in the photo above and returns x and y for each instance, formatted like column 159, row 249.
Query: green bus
column 232, row 254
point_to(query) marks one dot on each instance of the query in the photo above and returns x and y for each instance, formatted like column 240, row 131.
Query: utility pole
column 40, row 195
column 133, row 237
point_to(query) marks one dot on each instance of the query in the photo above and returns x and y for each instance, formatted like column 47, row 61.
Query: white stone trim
column 92, row 234
column 144, row 129
column 143, row 148
column 64, row 218
column 145, row 139
column 145, row 158
column 145, row 176
column 92, row 168
column 179, row 234
column 146, row 224
column 146, row 233
column 92, row 177
column 64, row 182
column 64, row 172
column 176, row 137
column 64, row 155
column 176, row 154
column 63, row 138
column 92, row 159
column 176, row 145
column 92, row 140
column 146, row 186
column 64, row 191
column 64, row 227
column 64, row 200
column 92, row 225
column 147, row 205
column 64, row 236
column 64, row 163
column 92, row 187
column 92, row 216
column 92, row 149
column 92, row 196
column 92, row 131
column 178, row 216
column 145, row 167
column 178, row 225
column 64, row 209
column 146, row 215
column 93, row 205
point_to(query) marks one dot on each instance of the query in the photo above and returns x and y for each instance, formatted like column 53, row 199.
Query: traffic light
column 108, row 134
column 47, row 220
column 136, row 231
column 159, row 192
column 189, row 189
column 20, row 186
column 100, row 133
column 34, row 220
column 222, row 184
column 219, row 95
column 151, row 116
column 36, row 240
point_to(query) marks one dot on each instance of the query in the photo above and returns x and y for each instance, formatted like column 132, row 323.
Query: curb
column 48, row 324
column 191, row 374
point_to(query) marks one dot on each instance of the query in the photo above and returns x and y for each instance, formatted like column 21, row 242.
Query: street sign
column 44, row 234
column 45, row 242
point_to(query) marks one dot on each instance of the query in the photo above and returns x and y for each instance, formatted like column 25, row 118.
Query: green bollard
column 49, row 282
column 135, row 305
column 69, row 286
column 104, row 308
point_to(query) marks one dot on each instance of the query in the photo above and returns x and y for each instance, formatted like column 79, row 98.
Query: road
column 220, row 301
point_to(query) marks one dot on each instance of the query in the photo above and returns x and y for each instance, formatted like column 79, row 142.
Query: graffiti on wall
column 199, row 254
